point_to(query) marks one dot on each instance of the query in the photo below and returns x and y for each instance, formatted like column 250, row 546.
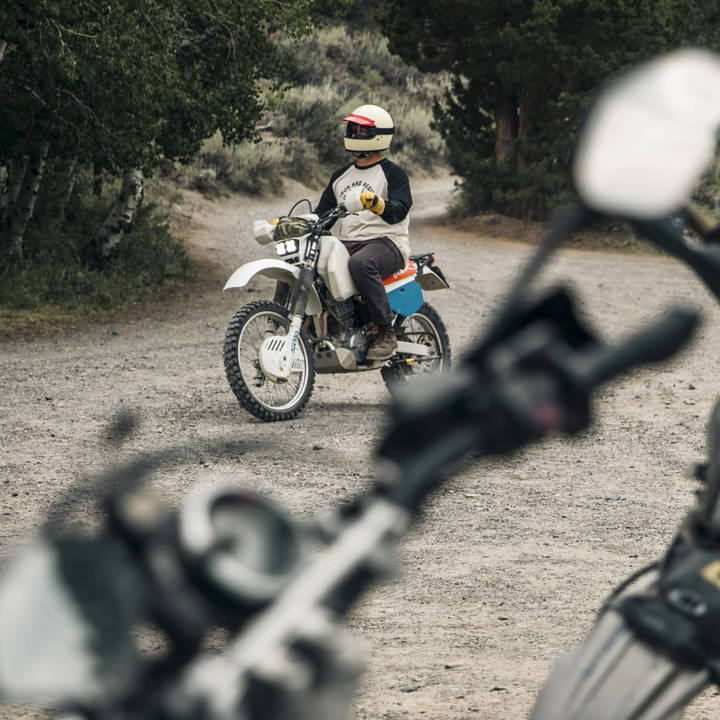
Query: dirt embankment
column 510, row 560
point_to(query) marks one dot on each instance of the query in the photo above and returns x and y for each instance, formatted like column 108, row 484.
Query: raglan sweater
column 385, row 179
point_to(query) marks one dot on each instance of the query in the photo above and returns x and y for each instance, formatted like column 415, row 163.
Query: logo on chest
column 361, row 185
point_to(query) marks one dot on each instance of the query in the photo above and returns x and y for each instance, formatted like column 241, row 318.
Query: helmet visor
column 355, row 130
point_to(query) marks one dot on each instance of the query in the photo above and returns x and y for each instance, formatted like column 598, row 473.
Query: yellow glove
column 372, row 202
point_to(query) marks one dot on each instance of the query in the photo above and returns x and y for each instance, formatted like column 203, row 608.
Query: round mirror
column 650, row 136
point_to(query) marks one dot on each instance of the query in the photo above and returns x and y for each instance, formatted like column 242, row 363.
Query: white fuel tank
column 333, row 268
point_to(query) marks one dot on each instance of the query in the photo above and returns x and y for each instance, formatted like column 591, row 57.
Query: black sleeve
column 328, row 200
column 399, row 199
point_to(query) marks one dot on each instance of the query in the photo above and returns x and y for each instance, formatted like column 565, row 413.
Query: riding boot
column 385, row 345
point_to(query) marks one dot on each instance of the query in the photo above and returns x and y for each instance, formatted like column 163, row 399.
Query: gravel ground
column 511, row 558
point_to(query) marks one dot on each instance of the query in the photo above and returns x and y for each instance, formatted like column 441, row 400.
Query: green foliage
column 523, row 72
column 52, row 274
column 335, row 71
column 122, row 84
column 128, row 84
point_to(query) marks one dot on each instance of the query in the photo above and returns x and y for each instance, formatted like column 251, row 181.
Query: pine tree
column 523, row 72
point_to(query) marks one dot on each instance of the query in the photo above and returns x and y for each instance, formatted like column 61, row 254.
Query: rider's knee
column 360, row 265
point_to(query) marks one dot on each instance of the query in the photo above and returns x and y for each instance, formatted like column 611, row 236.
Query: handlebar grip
column 703, row 259
column 654, row 343
column 352, row 203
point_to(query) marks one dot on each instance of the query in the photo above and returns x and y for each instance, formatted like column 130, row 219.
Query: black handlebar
column 703, row 259
column 652, row 344
column 531, row 379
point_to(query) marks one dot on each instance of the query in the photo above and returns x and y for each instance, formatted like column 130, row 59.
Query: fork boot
column 385, row 345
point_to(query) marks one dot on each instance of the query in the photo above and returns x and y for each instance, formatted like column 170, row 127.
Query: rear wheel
column 425, row 327
column 258, row 394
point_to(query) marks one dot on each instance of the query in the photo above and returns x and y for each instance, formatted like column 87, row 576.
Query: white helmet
column 369, row 129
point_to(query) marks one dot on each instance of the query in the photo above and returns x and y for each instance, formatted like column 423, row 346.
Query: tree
column 523, row 72
column 120, row 85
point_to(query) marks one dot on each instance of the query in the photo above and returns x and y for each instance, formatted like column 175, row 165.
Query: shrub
column 311, row 112
column 303, row 164
column 416, row 146
column 52, row 273
column 251, row 168
column 335, row 72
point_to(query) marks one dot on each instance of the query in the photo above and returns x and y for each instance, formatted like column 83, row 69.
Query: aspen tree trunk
column 16, row 174
column 22, row 211
column 66, row 187
column 56, row 189
column 98, row 180
column 119, row 222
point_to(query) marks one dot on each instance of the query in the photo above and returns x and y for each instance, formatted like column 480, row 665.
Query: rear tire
column 426, row 328
column 265, row 399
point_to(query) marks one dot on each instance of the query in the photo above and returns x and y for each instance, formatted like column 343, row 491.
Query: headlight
column 239, row 545
column 287, row 247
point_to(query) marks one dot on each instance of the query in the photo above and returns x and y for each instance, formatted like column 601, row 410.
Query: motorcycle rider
column 377, row 237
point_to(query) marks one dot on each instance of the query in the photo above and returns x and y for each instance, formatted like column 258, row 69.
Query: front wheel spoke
column 271, row 395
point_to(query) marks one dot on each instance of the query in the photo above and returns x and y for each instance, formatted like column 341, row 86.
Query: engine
column 343, row 330
column 340, row 316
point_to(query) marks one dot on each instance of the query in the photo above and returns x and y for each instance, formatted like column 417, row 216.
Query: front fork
column 277, row 355
column 299, row 298
column 282, row 293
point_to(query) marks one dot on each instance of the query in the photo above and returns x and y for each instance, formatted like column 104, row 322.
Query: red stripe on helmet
column 359, row 119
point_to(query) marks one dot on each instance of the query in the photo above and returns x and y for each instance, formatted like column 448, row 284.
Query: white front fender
column 275, row 270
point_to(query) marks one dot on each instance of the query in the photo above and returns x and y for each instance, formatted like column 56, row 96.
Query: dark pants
column 370, row 262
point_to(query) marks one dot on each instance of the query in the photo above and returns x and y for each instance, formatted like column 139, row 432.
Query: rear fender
column 275, row 270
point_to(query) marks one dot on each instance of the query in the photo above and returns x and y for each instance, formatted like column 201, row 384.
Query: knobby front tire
column 260, row 396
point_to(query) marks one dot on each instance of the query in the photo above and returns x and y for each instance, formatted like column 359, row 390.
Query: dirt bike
column 317, row 322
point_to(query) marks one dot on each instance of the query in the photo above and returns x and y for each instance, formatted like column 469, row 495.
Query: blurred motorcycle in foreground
column 656, row 646
column 70, row 605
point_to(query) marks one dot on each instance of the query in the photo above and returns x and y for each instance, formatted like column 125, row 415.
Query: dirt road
column 511, row 559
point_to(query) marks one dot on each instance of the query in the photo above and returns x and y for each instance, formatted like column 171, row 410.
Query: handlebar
column 653, row 343
column 703, row 259
column 533, row 382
